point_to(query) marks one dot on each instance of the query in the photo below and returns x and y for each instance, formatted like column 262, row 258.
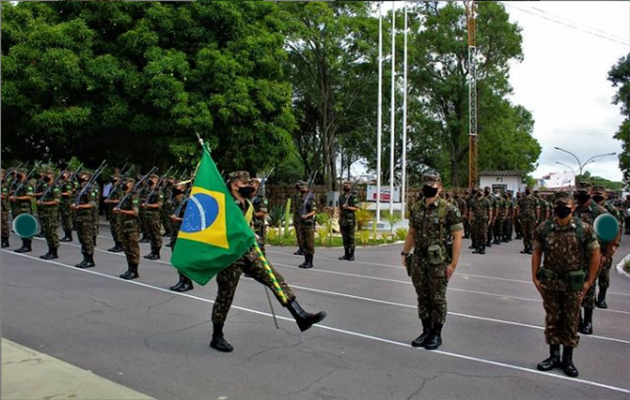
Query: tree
column 137, row 80
column 619, row 75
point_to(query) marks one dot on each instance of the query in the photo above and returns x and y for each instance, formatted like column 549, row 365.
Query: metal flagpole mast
column 379, row 128
column 471, row 22
column 404, row 149
column 393, row 113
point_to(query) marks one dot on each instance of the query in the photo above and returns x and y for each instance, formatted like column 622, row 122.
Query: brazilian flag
column 214, row 232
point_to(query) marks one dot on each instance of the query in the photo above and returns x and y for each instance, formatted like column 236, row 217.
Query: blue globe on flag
column 201, row 212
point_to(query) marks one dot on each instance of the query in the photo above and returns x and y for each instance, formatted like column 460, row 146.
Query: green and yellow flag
column 214, row 232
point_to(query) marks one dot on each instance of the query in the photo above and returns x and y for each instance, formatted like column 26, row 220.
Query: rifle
column 10, row 171
column 135, row 187
column 354, row 184
column 263, row 184
column 95, row 175
column 157, row 186
column 55, row 183
column 75, row 173
column 114, row 188
column 309, row 195
column 183, row 175
column 19, row 187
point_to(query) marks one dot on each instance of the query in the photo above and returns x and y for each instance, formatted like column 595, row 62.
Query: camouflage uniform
column 461, row 205
column 153, row 223
column 509, row 217
column 167, row 210
column 85, row 222
column 49, row 217
column 563, row 251
column 493, row 208
column 427, row 276
column 501, row 211
column 128, row 230
column 603, row 280
column 114, row 219
column 527, row 207
column 296, row 201
column 307, row 229
column 66, row 212
column 480, row 207
column 260, row 204
column 24, row 207
column 95, row 212
column 144, row 191
column 348, row 223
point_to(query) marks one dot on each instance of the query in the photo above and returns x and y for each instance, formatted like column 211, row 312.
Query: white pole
column 379, row 127
column 393, row 113
column 404, row 149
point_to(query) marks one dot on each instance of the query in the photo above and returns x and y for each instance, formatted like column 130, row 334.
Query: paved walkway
column 29, row 374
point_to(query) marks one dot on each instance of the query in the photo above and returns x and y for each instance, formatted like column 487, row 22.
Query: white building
column 558, row 180
column 503, row 180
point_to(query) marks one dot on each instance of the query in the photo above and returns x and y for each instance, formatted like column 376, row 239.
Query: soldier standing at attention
column 296, row 200
column 566, row 247
column 307, row 210
column 6, row 231
column 509, row 217
column 480, row 215
column 461, row 205
column 347, row 222
column 128, row 212
column 501, row 212
column 85, row 221
column 528, row 213
column 67, row 194
column 518, row 228
column 493, row 207
column 227, row 279
column 467, row 226
column 48, row 206
column 151, row 206
column 433, row 262
column 261, row 205
column 22, row 198
column 179, row 206
column 114, row 219
column 144, row 191
column 603, row 281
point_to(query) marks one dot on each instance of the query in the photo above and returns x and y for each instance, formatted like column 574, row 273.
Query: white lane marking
column 329, row 328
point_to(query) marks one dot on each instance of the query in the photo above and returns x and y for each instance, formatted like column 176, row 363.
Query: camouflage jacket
column 53, row 195
column 527, row 207
column 347, row 217
column 481, row 208
column 261, row 204
column 428, row 228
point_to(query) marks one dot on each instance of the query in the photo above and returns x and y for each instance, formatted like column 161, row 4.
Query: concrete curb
column 29, row 374
column 620, row 269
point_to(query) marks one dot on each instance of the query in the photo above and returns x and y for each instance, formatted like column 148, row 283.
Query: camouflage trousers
column 85, row 231
column 518, row 228
column 467, row 228
column 308, row 237
column 6, row 231
column 95, row 221
column 527, row 228
column 479, row 232
column 114, row 221
column 49, row 218
column 130, row 239
column 142, row 222
column 498, row 228
column 174, row 233
column 507, row 228
column 165, row 218
column 603, row 281
column 66, row 217
column 562, row 319
column 153, row 227
column 228, row 278
column 298, row 234
column 347, row 234
column 430, row 283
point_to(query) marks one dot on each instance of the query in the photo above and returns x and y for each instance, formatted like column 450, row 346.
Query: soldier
column 347, row 222
column 144, row 191
column 306, row 211
column 151, row 206
column 433, row 261
column 95, row 212
column 39, row 185
column 460, row 202
column 179, row 206
column 296, row 200
column 480, row 215
column 227, row 279
column 603, row 281
column 85, row 220
column 114, row 219
column 6, row 231
column 48, row 206
column 167, row 207
column 518, row 228
column 22, row 198
column 568, row 245
column 261, row 205
column 626, row 206
column 528, row 213
column 493, row 207
column 500, row 218
column 467, row 226
column 587, row 210
column 128, row 212
column 509, row 216
column 67, row 195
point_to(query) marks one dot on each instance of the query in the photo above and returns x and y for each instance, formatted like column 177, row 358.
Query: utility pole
column 471, row 23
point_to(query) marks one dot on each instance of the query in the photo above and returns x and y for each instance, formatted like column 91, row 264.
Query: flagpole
column 393, row 113
column 404, row 149
column 379, row 129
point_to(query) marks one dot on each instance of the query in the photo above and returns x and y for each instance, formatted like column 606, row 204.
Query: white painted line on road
column 343, row 331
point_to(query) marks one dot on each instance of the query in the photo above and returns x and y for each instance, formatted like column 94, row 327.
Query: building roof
column 501, row 173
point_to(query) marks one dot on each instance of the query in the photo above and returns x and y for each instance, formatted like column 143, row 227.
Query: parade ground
column 140, row 335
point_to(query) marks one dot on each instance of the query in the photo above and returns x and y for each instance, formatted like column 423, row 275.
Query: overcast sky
column 562, row 79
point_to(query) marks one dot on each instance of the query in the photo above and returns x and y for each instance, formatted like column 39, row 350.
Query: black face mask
column 486, row 192
column 47, row 179
column 429, row 192
column 246, row 191
column 177, row 192
column 582, row 197
column 527, row 192
column 20, row 176
column 562, row 211
column 151, row 183
column 598, row 198
column 346, row 189
column 303, row 191
column 82, row 180
column 479, row 194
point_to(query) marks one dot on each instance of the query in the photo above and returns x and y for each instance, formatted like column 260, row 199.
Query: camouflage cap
column 431, row 179
column 562, row 197
column 486, row 188
column 584, row 185
column 243, row 176
column 599, row 189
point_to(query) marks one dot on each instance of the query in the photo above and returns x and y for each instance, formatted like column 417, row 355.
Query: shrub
column 401, row 233
column 322, row 218
column 276, row 216
column 322, row 234
column 363, row 216
column 364, row 237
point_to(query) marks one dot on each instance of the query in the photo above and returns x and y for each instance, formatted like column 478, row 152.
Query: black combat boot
column 308, row 261
column 82, row 263
column 26, row 246
column 304, row 319
column 525, row 250
column 53, row 254
column 144, row 239
column 178, row 284
column 497, row 241
column 477, row 250
column 426, row 332
column 587, row 326
column 47, row 255
column 351, row 255
column 601, row 298
column 299, row 252
column 155, row 255
column 482, row 250
column 435, row 338
column 530, row 249
column 5, row 242
column 67, row 237
column 132, row 272
column 218, row 341
column 186, row 286
column 553, row 361
column 117, row 247
column 88, row 262
column 345, row 254
column 472, row 246
column 567, row 363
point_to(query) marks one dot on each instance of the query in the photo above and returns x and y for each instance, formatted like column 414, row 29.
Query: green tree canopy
column 619, row 75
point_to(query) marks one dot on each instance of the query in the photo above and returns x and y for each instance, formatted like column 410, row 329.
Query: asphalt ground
column 141, row 335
